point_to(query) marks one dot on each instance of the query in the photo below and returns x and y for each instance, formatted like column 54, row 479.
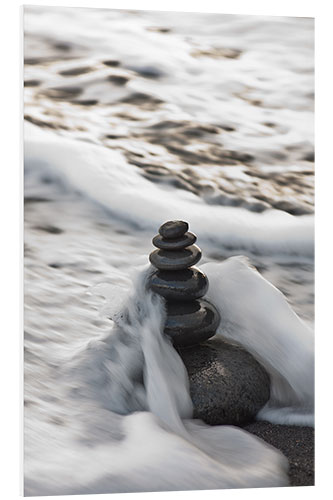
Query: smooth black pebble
column 187, row 284
column 173, row 260
column 190, row 323
column 173, row 229
column 176, row 243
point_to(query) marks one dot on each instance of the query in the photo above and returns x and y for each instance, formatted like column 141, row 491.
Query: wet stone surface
column 175, row 259
column 183, row 241
column 227, row 385
column 173, row 229
column 188, row 284
column 190, row 323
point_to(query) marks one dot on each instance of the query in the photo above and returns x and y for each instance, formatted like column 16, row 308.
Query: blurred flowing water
column 133, row 118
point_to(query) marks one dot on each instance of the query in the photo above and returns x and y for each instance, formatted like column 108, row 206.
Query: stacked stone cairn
column 190, row 318
column 227, row 385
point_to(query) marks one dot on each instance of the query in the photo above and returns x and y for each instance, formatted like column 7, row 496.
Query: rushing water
column 133, row 118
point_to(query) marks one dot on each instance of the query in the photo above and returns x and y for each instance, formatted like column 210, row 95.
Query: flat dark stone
column 173, row 229
column 227, row 385
column 187, row 284
column 175, row 244
column 192, row 322
column 172, row 260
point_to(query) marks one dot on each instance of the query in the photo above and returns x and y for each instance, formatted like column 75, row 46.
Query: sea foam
column 104, row 176
column 156, row 445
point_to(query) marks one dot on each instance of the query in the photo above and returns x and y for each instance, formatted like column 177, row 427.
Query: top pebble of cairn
column 173, row 229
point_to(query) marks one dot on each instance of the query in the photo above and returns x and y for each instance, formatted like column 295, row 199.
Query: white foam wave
column 256, row 315
column 135, row 368
column 104, row 176
column 160, row 448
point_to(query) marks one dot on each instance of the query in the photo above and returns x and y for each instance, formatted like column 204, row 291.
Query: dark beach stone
column 118, row 79
column 188, row 284
column 63, row 93
column 32, row 83
column 192, row 322
column 173, row 229
column 227, row 385
column 111, row 63
column 147, row 71
column 175, row 244
column 49, row 229
column 86, row 102
column 173, row 260
column 141, row 99
column 76, row 71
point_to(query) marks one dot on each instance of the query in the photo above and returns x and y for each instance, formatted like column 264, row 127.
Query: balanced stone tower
column 190, row 319
column 227, row 385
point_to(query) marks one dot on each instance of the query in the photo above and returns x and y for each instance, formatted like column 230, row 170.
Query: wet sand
column 296, row 443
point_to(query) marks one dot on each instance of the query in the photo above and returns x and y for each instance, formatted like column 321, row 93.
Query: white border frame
column 11, row 245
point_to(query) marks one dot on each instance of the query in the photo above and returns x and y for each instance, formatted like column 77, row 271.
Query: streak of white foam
column 104, row 176
column 162, row 448
column 256, row 315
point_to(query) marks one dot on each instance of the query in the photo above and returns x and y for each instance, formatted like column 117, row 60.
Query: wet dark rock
column 227, row 385
column 173, row 229
column 227, row 128
column 86, row 102
column 291, row 208
column 32, row 83
column 172, row 260
column 198, row 131
column 189, row 323
column 63, row 92
column 111, row 63
column 140, row 98
column 35, row 199
column 183, row 241
column 118, row 79
column 49, row 229
column 188, row 284
column 114, row 136
column 155, row 171
column 148, row 71
column 76, row 71
column 63, row 46
column 40, row 123
column 158, row 29
column 32, row 61
column 166, row 125
column 309, row 156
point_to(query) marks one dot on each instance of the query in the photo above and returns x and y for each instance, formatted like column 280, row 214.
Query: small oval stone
column 173, row 229
column 175, row 244
column 187, row 284
column 173, row 260
column 190, row 323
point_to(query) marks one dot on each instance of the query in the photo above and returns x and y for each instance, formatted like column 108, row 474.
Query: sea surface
column 133, row 118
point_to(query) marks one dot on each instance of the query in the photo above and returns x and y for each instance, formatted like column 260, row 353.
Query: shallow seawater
column 133, row 118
